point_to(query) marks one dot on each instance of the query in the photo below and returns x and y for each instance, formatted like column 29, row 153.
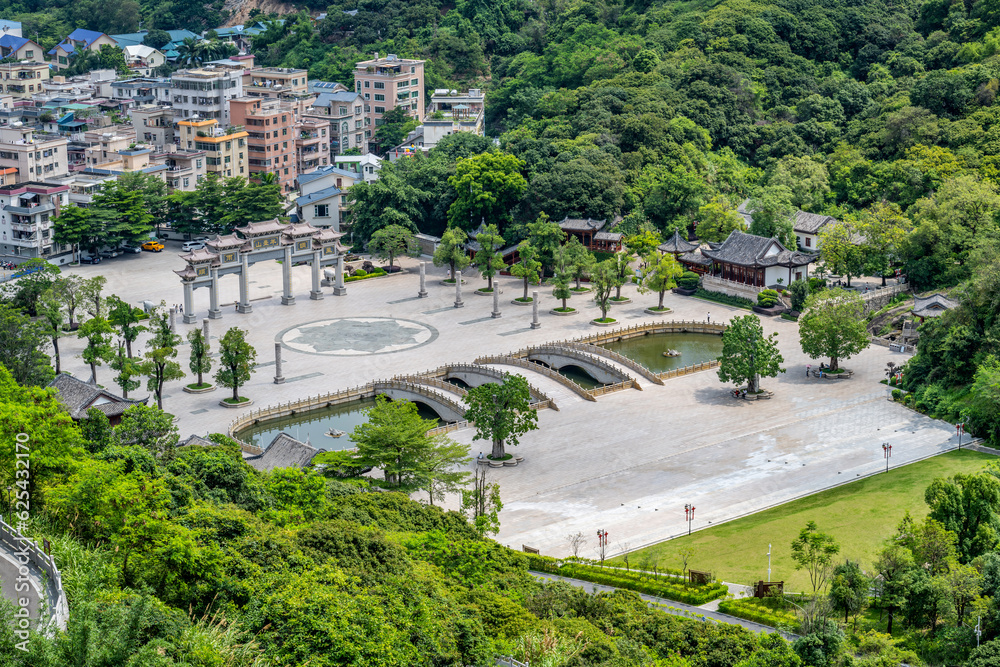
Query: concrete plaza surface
column 627, row 463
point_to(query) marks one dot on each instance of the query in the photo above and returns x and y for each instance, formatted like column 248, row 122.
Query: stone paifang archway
column 261, row 241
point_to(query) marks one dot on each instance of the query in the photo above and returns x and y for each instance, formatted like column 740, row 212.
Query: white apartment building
column 349, row 126
column 26, row 212
column 204, row 93
column 35, row 156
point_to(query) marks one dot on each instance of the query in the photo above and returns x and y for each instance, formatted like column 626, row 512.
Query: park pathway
column 670, row 606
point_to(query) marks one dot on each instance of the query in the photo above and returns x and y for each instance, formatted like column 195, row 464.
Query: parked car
column 133, row 249
column 193, row 245
column 90, row 259
column 152, row 246
column 203, row 239
column 108, row 254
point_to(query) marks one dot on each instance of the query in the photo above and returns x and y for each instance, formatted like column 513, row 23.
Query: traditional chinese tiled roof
column 750, row 250
column 200, row 255
column 78, row 396
column 580, row 225
column 608, row 236
column 226, row 241
column 327, row 235
column 299, row 229
column 676, row 244
column 695, row 258
column 811, row 223
column 283, row 452
column 933, row 305
column 263, row 227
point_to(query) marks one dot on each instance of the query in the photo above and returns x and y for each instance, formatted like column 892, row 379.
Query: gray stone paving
column 627, row 463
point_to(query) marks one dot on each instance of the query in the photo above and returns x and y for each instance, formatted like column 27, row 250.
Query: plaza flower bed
column 719, row 297
column 362, row 274
column 761, row 610
column 647, row 583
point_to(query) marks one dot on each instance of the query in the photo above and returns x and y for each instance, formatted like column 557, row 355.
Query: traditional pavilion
column 79, row 396
column 755, row 261
column 934, row 305
column 592, row 234
column 676, row 245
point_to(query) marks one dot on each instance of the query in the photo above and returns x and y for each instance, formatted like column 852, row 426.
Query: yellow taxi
column 152, row 246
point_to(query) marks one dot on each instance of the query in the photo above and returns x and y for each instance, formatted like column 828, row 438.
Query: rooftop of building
column 390, row 60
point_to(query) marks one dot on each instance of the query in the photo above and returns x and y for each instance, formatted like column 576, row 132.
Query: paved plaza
column 627, row 463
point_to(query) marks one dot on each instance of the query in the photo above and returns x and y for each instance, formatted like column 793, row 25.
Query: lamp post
column 887, row 452
column 602, row 543
column 689, row 515
column 960, row 428
column 769, row 561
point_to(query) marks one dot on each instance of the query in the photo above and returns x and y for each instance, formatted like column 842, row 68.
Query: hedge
column 374, row 274
column 719, row 297
column 680, row 592
column 757, row 611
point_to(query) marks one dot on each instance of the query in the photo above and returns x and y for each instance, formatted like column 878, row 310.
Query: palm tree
column 186, row 51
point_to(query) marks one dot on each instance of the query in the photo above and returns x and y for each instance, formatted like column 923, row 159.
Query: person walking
column 708, row 317
column 808, row 368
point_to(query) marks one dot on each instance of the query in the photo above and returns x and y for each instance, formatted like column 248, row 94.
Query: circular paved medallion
column 357, row 336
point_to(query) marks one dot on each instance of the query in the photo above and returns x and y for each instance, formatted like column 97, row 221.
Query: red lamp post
column 887, row 452
column 689, row 515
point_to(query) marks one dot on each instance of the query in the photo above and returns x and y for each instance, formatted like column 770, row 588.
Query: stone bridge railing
column 590, row 348
column 420, row 390
column 433, row 382
column 45, row 568
column 636, row 330
column 687, row 370
column 508, row 360
column 618, row 386
column 881, row 296
column 476, row 369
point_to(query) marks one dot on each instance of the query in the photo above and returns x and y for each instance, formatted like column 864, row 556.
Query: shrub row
column 719, row 297
column 755, row 610
column 361, row 274
column 681, row 592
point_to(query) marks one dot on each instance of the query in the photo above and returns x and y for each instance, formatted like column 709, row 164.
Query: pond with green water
column 313, row 425
column 648, row 350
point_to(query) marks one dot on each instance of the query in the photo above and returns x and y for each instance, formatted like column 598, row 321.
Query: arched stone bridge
column 556, row 356
column 448, row 409
column 475, row 375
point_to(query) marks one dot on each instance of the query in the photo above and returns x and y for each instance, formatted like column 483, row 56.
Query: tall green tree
column 127, row 368
column 52, row 318
column 884, row 229
column 834, row 325
column 236, row 361
column 604, row 279
column 967, row 505
column 390, row 242
column 581, row 260
column 840, row 249
column 126, row 318
column 717, row 220
column 438, row 468
column 451, row 251
column 150, row 428
column 488, row 258
column 747, row 354
column 90, row 292
column 487, row 188
column 394, row 439
column 527, row 266
column 77, row 227
column 661, row 274
column 563, row 269
column 547, row 236
column 123, row 213
column 813, row 552
column 622, row 265
column 849, row 588
column 894, row 565
column 22, row 344
column 68, row 290
column 805, row 178
column 97, row 333
column 159, row 367
column 482, row 504
column 25, row 292
column 772, row 215
column 502, row 413
column 390, row 200
column 201, row 358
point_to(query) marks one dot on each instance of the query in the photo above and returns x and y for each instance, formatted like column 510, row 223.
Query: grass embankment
column 859, row 515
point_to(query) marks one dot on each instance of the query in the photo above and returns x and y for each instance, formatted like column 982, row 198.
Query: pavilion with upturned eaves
column 261, row 241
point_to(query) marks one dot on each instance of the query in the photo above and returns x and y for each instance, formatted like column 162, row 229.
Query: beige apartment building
column 153, row 125
column 270, row 128
column 185, row 169
column 225, row 152
column 34, row 155
column 23, row 80
column 387, row 82
column 275, row 81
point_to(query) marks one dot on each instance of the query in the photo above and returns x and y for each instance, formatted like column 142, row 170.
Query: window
column 379, row 98
column 415, row 93
column 186, row 182
column 343, row 111
column 357, row 111
column 379, row 85
column 808, row 242
column 286, row 171
column 368, row 84
column 414, row 82
column 413, row 70
column 357, row 140
column 284, row 131
column 379, row 109
column 368, row 134
column 322, row 210
column 62, row 60
column 197, row 163
column 357, row 86
column 29, row 54
column 367, row 96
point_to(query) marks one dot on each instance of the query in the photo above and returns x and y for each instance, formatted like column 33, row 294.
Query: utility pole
column 769, row 561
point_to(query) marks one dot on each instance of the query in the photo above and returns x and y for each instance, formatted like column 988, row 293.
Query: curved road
column 669, row 606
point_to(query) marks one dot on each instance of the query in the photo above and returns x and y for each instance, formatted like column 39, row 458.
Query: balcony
column 27, row 228
column 34, row 209
column 29, row 242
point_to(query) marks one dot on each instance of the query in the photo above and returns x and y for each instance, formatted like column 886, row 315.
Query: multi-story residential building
column 15, row 47
column 36, row 156
column 23, row 80
column 205, row 92
column 389, row 82
column 275, row 81
column 345, row 110
column 312, row 144
column 142, row 91
column 142, row 59
column 26, row 212
column 367, row 165
column 225, row 151
column 321, row 200
column 451, row 111
column 78, row 40
column 154, row 125
column 270, row 128
column 185, row 169
column 83, row 187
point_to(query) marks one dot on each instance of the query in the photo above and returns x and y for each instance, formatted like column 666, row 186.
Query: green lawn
column 859, row 515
